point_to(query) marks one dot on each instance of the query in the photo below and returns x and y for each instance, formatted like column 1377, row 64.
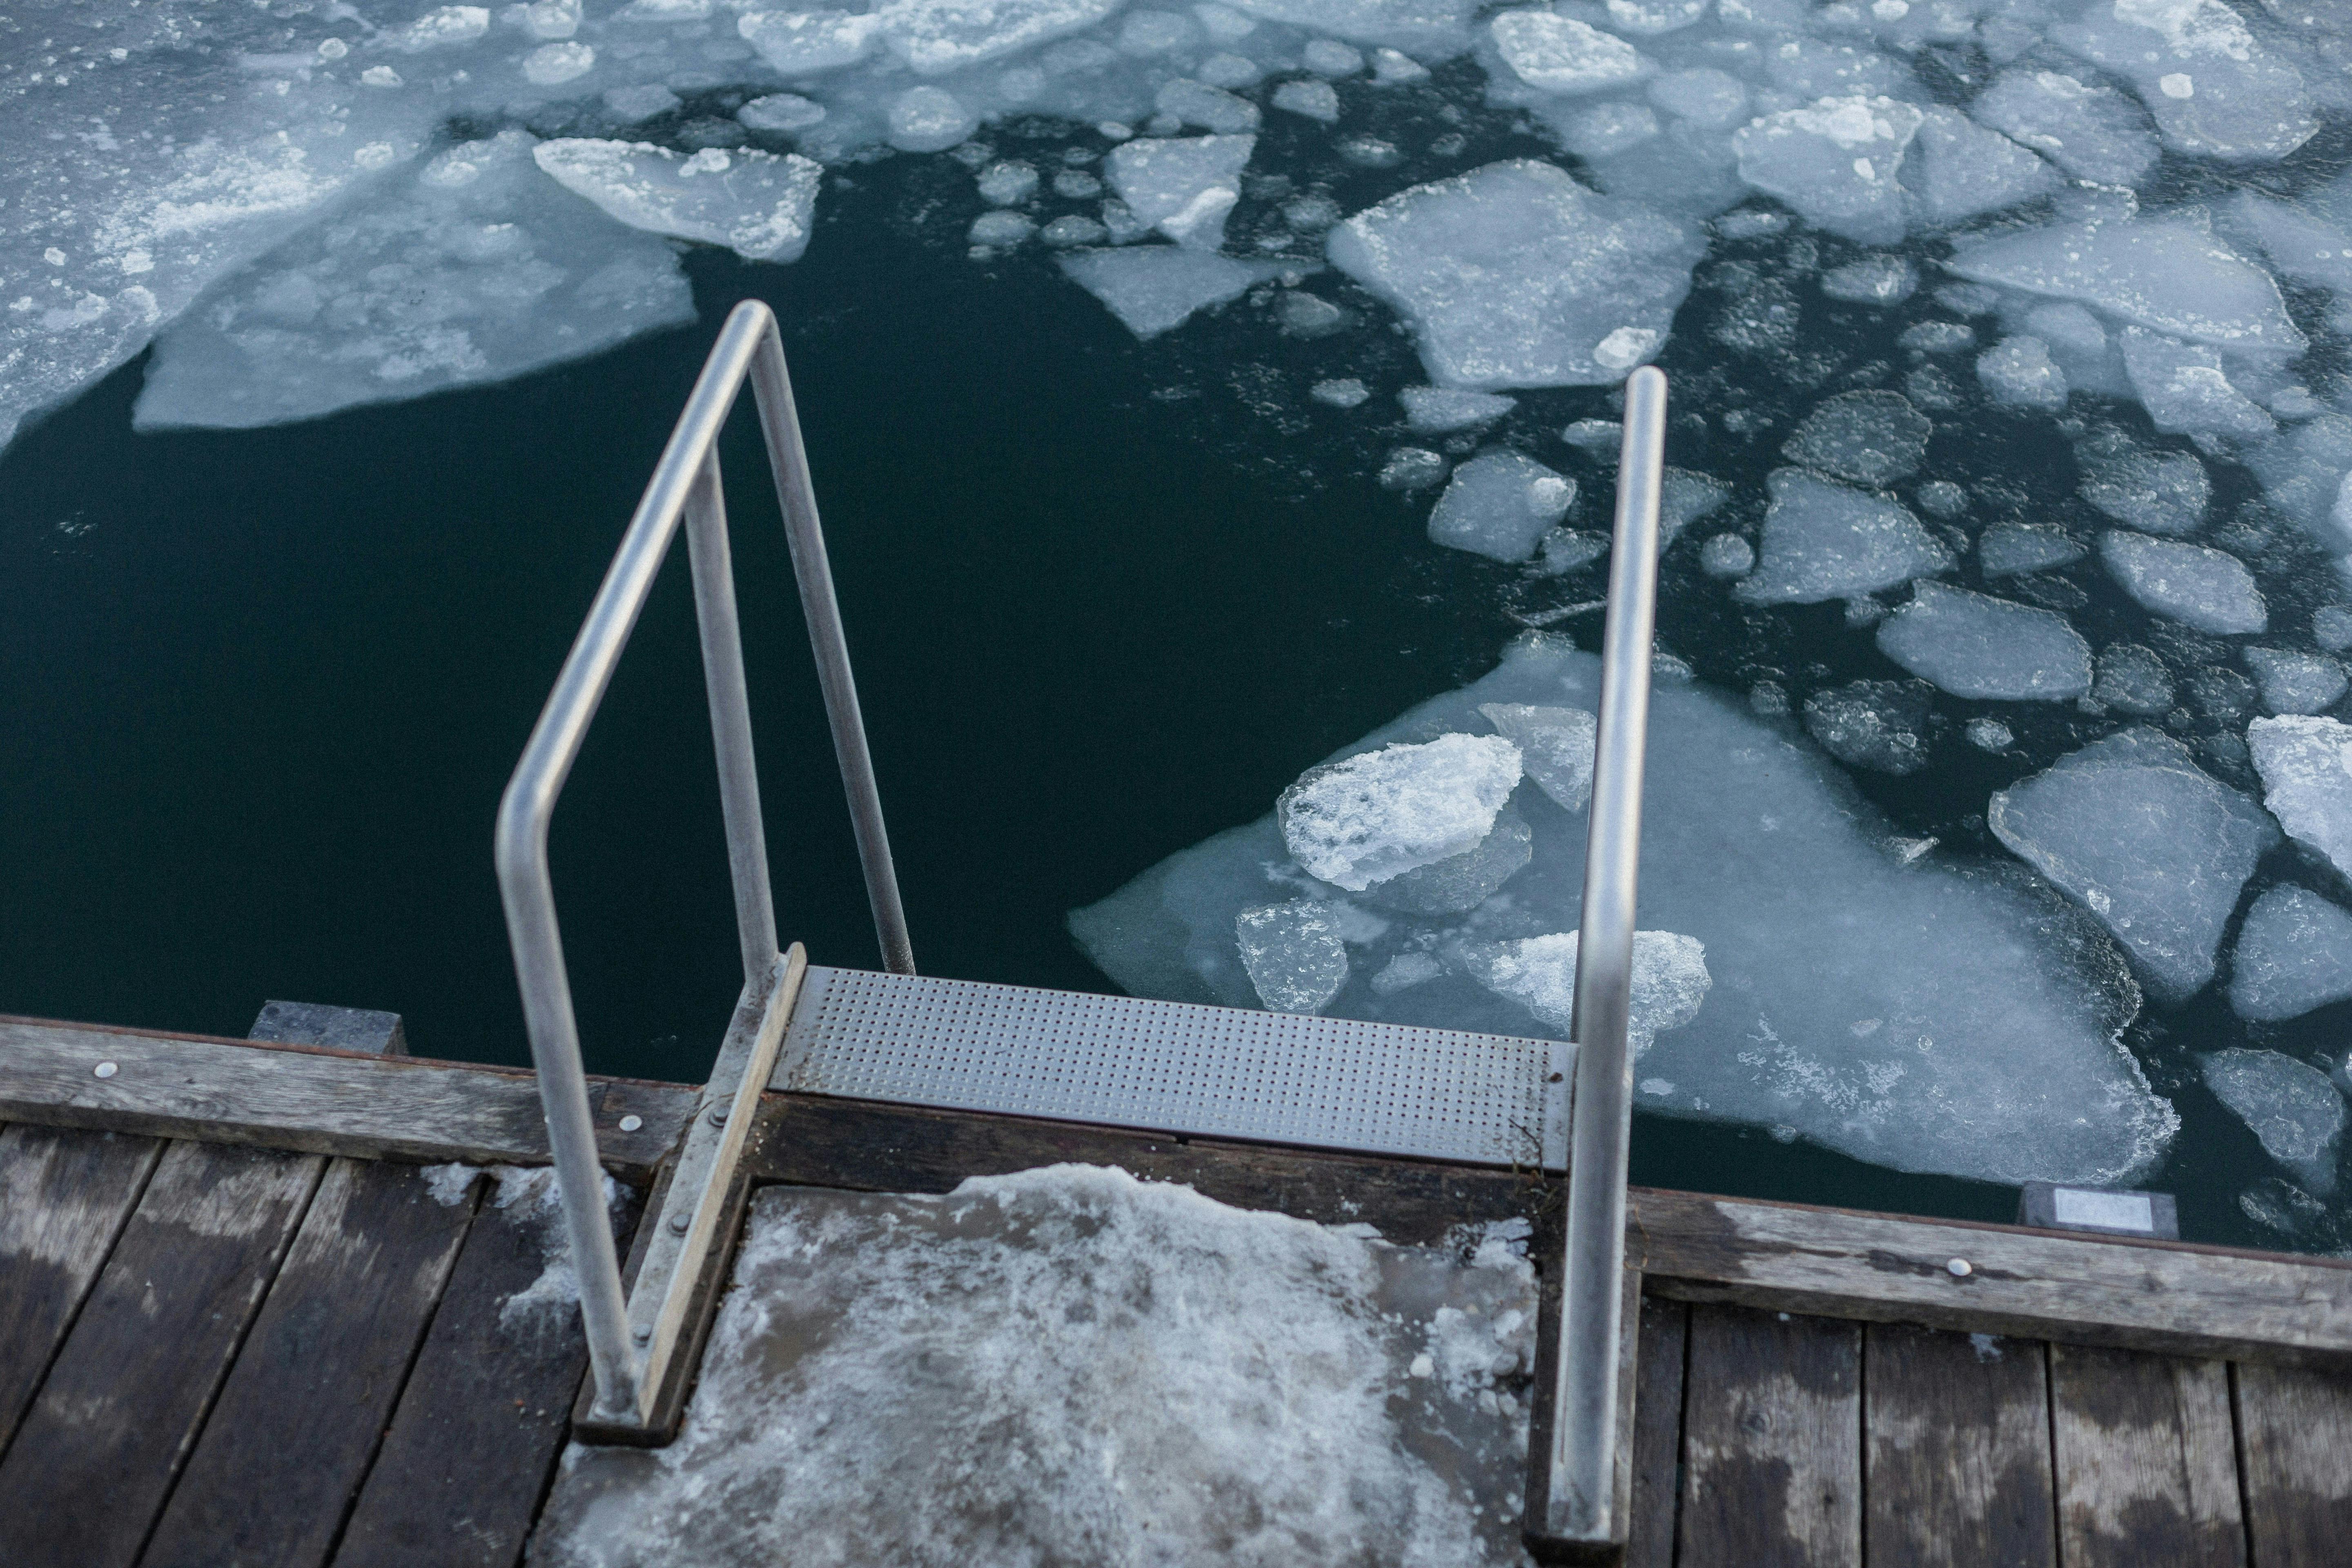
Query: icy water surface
column 1200, row 396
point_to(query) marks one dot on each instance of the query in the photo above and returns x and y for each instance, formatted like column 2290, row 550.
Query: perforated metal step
column 1169, row 1067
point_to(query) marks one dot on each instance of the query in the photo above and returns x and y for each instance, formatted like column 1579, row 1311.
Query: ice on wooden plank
column 1154, row 288
column 2214, row 89
column 1437, row 410
column 758, row 204
column 1559, row 54
column 2132, row 680
column 2166, row 273
column 1067, row 1365
column 1669, row 981
column 2093, row 133
column 1881, row 725
column 1823, row 540
column 2307, row 768
column 2186, row 583
column 2019, row 370
column 2155, row 492
column 2289, row 1106
column 1925, row 1015
column 1834, row 161
column 1555, row 747
column 2295, row 682
column 2185, row 389
column 1515, row 276
column 1500, row 505
column 2150, row 844
column 2294, row 954
column 1958, row 169
column 1295, row 954
column 1872, row 281
column 1972, row 645
column 1182, row 186
column 474, row 268
column 1376, row 815
column 1869, row 438
column 2006, row 548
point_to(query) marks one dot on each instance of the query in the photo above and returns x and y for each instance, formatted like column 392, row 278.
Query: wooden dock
column 242, row 1321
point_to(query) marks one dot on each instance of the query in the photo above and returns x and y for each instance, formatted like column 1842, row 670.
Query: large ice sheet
column 935, row 36
column 2294, row 954
column 474, row 267
column 1066, row 1366
column 1515, row 276
column 2163, row 272
column 2148, row 842
column 1973, row 645
column 1925, row 1015
column 1823, row 540
column 759, row 204
column 1432, row 29
column 2307, row 768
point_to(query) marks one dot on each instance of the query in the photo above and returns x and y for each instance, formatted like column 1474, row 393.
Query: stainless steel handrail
column 685, row 483
column 1582, row 1502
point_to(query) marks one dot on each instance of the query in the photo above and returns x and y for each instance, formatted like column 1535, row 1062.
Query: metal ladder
column 1127, row 1061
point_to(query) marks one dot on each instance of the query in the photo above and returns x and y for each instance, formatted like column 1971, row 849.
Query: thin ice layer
column 1154, row 288
column 474, row 268
column 758, row 204
column 1066, row 1365
column 1925, row 1015
column 1515, row 276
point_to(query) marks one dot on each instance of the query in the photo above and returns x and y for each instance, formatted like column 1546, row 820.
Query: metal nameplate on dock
column 1171, row 1067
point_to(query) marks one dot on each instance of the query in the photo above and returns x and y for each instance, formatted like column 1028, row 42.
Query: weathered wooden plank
column 2296, row 1426
column 1657, row 1434
column 1772, row 1440
column 64, row 1196
column 1956, row 1459
column 2146, row 1460
column 297, row 1423
column 306, row 1098
column 480, row 1423
column 2111, row 1290
column 859, row 1144
column 99, row 1452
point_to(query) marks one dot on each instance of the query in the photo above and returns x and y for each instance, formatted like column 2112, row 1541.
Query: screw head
column 719, row 1116
column 104, row 1069
column 631, row 1123
column 678, row 1221
column 641, row 1335
column 1961, row 1267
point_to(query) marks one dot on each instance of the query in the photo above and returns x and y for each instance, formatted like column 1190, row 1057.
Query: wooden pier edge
column 2168, row 1297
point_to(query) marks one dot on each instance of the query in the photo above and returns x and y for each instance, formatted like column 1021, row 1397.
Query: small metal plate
column 1169, row 1066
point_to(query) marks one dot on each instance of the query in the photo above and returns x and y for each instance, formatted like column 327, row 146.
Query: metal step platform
column 1171, row 1067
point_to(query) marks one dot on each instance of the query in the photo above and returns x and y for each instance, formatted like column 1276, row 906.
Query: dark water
column 262, row 689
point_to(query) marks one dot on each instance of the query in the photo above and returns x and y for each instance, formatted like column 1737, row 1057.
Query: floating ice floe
column 1500, row 505
column 1972, row 645
column 1924, row 1016
column 2007, row 549
column 1555, row 744
column 756, row 204
column 1559, row 54
column 1154, row 288
column 2189, row 583
column 2291, row 1108
column 1823, row 541
column 1869, row 438
column 1961, row 170
column 2214, row 89
column 2019, row 370
column 2294, row 954
column 2184, row 388
column 2155, row 492
column 2093, row 133
column 1182, row 186
column 2306, row 768
column 1835, row 161
column 1538, row 973
column 2150, row 843
column 1437, row 410
column 1515, row 276
column 2132, row 680
column 1881, row 725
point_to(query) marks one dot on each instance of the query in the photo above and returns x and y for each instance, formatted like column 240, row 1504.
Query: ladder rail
column 686, row 488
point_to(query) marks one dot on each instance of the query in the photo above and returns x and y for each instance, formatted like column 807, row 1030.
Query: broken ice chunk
column 2166, row 273
column 2307, row 768
column 1152, row 287
column 757, row 204
column 1559, row 54
column 2214, row 89
column 802, row 43
column 1500, row 505
column 1405, row 971
column 1412, row 469
column 2020, row 372
column 2295, row 682
column 1881, row 725
column 1210, row 108
column 784, row 111
column 2007, row 549
column 2189, row 584
column 2294, row 954
column 1835, row 161
column 1311, row 99
column 1726, row 555
column 1684, row 498
column 1434, row 25
column 1870, row 437
column 1376, row 815
column 1670, row 980
column 930, row 119
column 2155, row 492
column 2292, row 1107
column 1330, row 58
column 935, row 36
column 2184, row 389
column 1008, row 185
column 1974, row 646
column 1709, row 98
column 1343, row 392
column 2132, row 680
column 1515, row 276
column 2331, row 627
column 1872, row 281
column 1436, row 410
column 1293, row 954
column 1555, row 747
column 2093, row 133
column 1182, row 186
column 2154, row 846
column 1654, row 17
column 1823, row 541
column 1460, row 883
column 1962, row 169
